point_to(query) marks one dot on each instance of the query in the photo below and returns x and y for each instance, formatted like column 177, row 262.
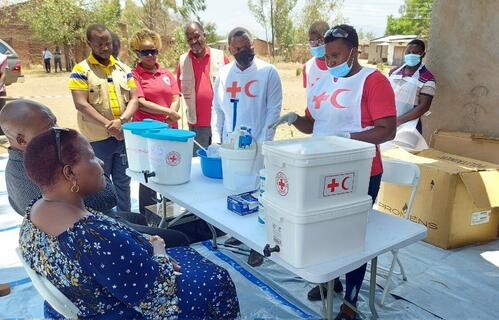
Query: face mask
column 412, row 59
column 245, row 57
column 319, row 51
column 340, row 71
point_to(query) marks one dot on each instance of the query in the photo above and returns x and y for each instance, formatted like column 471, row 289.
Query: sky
column 368, row 15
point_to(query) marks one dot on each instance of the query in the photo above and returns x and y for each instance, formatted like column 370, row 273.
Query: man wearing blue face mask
column 352, row 102
column 414, row 86
column 315, row 68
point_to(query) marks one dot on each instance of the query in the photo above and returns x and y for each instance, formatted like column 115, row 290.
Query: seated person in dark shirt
column 22, row 120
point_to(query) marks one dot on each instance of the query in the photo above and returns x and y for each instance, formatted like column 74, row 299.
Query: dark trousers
column 147, row 197
column 113, row 153
column 47, row 65
column 57, row 62
column 355, row 278
column 138, row 222
column 2, row 104
column 203, row 136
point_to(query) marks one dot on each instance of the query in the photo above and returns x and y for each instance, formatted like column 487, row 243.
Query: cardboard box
column 457, row 198
column 465, row 144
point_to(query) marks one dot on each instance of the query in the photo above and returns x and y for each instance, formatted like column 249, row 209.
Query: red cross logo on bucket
column 281, row 183
column 173, row 158
column 338, row 184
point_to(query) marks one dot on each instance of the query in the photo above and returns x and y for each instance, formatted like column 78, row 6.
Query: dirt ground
column 39, row 83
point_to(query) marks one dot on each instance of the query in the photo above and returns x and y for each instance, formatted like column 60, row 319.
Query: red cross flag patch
column 338, row 184
column 281, row 184
column 173, row 158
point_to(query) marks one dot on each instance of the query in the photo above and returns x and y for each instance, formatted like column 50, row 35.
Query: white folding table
column 207, row 199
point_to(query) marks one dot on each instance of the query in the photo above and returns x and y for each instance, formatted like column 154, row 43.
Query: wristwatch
column 123, row 120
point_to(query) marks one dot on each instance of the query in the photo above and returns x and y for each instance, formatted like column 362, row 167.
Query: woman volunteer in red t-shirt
column 352, row 102
column 157, row 91
column 156, row 87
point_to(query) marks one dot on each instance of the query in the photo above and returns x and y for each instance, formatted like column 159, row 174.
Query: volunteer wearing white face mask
column 247, row 91
column 414, row 87
column 353, row 102
column 315, row 68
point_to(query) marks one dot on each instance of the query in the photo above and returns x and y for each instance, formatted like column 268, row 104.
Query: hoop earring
column 75, row 188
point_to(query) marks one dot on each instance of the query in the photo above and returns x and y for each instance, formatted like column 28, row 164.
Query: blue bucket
column 211, row 167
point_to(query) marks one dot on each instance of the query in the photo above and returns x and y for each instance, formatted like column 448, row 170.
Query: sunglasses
column 148, row 52
column 57, row 132
column 316, row 43
column 336, row 33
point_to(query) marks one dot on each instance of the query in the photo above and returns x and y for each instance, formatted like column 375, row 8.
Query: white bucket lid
column 319, row 147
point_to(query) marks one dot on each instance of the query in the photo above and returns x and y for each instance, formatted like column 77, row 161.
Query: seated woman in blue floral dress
column 106, row 269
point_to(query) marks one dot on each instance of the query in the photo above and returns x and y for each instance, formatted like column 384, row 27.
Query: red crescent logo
column 247, row 88
column 335, row 95
column 343, row 183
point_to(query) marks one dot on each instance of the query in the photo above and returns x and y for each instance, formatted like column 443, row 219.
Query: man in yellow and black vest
column 104, row 94
column 196, row 73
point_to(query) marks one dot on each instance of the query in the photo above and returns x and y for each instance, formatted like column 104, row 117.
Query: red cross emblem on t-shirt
column 234, row 89
column 338, row 184
column 318, row 99
column 173, row 158
column 281, row 183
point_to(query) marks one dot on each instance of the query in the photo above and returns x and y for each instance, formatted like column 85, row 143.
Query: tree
column 166, row 18
column 261, row 11
column 415, row 18
column 132, row 16
column 106, row 12
column 319, row 10
column 365, row 35
column 210, row 31
column 56, row 21
column 64, row 21
column 284, row 28
column 191, row 8
column 276, row 16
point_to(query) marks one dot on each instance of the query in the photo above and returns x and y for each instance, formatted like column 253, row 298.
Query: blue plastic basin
column 211, row 167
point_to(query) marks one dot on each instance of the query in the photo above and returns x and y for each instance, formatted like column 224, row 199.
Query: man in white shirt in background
column 247, row 92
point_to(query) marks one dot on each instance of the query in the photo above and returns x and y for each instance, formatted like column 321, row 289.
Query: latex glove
column 290, row 118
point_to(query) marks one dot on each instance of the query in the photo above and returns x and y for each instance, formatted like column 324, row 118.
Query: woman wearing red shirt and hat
column 156, row 87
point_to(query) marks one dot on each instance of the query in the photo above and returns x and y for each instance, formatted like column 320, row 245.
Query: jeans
column 113, row 153
column 355, row 278
column 47, row 65
column 203, row 136
column 57, row 62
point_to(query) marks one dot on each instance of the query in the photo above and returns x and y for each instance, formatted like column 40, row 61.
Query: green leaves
column 63, row 21
column 415, row 19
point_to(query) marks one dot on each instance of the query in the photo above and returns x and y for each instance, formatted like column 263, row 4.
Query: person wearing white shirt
column 47, row 56
column 247, row 92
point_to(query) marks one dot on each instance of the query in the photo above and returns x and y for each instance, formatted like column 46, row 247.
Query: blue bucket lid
column 146, row 124
column 169, row 134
